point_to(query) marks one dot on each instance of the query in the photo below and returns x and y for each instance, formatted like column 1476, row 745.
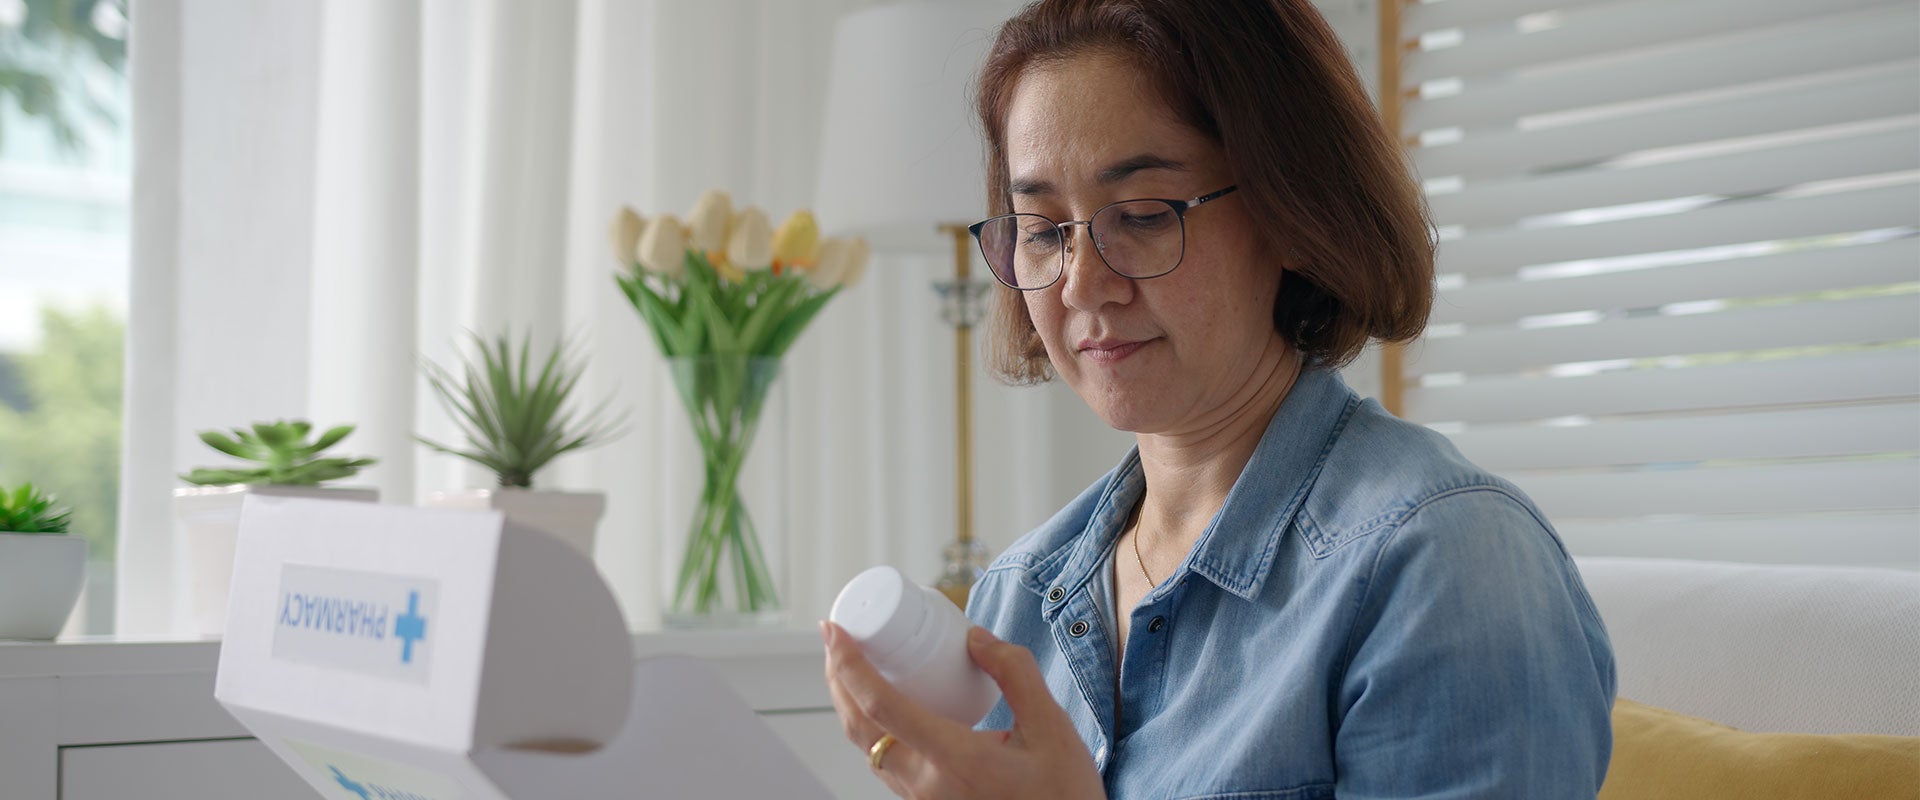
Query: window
column 1680, row 301
column 64, row 175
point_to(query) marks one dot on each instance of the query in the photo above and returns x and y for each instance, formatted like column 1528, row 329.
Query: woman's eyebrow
column 1125, row 168
column 1030, row 187
column 1115, row 173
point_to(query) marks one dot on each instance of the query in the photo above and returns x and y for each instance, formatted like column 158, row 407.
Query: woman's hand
column 935, row 757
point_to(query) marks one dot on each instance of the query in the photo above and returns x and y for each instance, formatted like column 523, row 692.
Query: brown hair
column 1268, row 81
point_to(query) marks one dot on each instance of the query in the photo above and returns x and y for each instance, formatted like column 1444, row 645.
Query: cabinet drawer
column 218, row 769
column 244, row 769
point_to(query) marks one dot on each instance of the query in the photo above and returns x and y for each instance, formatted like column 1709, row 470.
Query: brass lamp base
column 965, row 562
column 963, row 303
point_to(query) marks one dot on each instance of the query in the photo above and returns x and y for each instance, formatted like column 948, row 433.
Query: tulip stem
column 724, row 398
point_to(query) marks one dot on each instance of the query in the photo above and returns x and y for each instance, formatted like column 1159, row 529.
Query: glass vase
column 729, row 569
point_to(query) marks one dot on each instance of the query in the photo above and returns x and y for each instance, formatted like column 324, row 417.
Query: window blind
column 1679, row 266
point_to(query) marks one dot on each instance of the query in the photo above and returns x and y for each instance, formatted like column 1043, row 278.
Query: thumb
column 1018, row 674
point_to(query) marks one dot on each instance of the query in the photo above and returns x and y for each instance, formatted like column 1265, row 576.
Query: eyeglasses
column 1136, row 238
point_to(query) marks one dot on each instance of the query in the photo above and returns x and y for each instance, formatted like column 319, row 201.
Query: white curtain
column 325, row 193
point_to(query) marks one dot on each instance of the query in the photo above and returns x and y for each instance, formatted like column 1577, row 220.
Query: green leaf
column 225, row 444
column 222, row 477
column 326, row 469
column 329, row 439
column 693, row 327
column 796, row 322
column 277, row 436
column 626, row 283
column 718, row 331
column 732, row 300
column 773, row 307
column 697, row 274
column 448, row 392
column 672, row 324
column 661, row 318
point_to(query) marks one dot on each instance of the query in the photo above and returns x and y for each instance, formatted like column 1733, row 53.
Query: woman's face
column 1164, row 355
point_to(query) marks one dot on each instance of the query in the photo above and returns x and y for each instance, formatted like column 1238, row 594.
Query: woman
column 1283, row 591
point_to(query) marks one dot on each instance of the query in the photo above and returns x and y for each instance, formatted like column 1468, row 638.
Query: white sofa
column 1765, row 648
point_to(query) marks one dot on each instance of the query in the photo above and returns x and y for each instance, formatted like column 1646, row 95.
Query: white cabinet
column 231, row 768
column 112, row 720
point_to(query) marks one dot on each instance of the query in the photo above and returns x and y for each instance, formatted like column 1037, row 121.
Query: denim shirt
column 1369, row 615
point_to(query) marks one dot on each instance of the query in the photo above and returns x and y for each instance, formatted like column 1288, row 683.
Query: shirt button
column 1156, row 624
column 1079, row 629
column 1054, row 595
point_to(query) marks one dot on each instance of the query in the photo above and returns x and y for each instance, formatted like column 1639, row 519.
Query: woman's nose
column 1086, row 281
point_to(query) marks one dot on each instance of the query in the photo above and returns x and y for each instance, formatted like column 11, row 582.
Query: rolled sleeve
column 1477, row 666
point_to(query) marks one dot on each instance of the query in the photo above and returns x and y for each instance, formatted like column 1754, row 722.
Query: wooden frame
column 1392, row 356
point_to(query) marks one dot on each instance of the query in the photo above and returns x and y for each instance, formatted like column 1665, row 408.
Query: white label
column 366, row 622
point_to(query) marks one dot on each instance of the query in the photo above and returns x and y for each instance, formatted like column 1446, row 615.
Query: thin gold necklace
column 1136, row 509
column 1136, row 549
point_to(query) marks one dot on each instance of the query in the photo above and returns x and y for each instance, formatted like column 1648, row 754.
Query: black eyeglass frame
column 1180, row 209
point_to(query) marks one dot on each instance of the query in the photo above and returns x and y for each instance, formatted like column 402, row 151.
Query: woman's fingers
column 878, row 701
column 860, row 729
column 907, row 772
column 900, row 760
column 893, row 769
column 1013, row 667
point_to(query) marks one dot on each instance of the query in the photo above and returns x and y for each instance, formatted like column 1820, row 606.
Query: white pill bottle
column 917, row 639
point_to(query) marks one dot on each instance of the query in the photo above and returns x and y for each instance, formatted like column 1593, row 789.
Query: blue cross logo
column 410, row 627
column 348, row 783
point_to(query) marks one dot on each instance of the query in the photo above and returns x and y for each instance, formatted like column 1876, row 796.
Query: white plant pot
column 572, row 516
column 40, row 579
column 210, row 522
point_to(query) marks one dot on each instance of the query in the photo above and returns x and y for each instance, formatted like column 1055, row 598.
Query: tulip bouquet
column 725, row 294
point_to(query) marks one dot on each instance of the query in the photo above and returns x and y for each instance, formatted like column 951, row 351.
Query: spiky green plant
column 285, row 456
column 516, row 421
column 28, row 510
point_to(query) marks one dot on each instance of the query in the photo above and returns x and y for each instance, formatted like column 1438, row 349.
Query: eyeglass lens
column 1137, row 238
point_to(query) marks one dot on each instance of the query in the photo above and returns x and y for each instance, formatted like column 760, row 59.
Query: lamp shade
column 900, row 152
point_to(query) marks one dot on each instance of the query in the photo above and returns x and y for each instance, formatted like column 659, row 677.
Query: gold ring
column 879, row 750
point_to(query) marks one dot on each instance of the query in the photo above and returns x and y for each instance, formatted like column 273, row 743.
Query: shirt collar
column 1237, row 549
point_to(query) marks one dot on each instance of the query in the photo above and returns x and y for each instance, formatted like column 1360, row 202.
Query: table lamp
column 900, row 163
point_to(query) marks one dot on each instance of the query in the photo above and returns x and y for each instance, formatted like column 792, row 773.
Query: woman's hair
column 1316, row 166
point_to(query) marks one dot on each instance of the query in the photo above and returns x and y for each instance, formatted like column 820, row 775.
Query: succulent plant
column 516, row 421
column 285, row 456
column 28, row 510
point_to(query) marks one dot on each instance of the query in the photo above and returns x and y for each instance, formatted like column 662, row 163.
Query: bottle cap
column 882, row 610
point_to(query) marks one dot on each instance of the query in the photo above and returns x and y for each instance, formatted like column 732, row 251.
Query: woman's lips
column 1110, row 351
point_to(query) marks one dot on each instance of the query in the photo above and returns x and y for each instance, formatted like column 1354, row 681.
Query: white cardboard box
column 431, row 654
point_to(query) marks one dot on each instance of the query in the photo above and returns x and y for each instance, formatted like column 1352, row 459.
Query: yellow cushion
column 1660, row 754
